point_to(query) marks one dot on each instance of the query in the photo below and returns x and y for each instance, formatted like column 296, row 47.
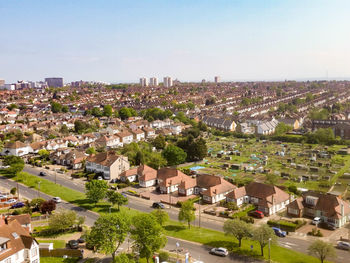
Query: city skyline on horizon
column 119, row 42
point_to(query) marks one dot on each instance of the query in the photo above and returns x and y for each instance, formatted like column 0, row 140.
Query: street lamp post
column 269, row 249
column 199, row 211
column 39, row 189
column 17, row 191
column 170, row 193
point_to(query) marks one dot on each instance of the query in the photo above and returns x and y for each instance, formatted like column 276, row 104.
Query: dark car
column 279, row 232
column 81, row 239
column 42, row 174
column 74, row 244
column 18, row 205
column 158, row 205
column 257, row 214
column 328, row 225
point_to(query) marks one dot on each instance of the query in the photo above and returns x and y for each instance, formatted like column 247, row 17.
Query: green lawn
column 216, row 239
column 58, row 260
column 56, row 243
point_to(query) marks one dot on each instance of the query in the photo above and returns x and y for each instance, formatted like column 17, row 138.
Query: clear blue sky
column 120, row 41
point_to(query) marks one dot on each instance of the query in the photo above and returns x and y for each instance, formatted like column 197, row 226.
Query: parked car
column 11, row 201
column 316, row 221
column 42, row 174
column 74, row 244
column 57, row 199
column 99, row 178
column 343, row 245
column 17, row 205
column 257, row 214
column 219, row 251
column 3, row 196
column 328, row 225
column 81, row 239
column 279, row 232
column 158, row 205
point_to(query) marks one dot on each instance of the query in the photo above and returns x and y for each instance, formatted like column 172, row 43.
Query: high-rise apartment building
column 153, row 81
column 54, row 82
column 2, row 82
column 217, row 79
column 143, row 82
column 168, row 82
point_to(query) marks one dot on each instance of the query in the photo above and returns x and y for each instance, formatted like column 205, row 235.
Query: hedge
column 287, row 225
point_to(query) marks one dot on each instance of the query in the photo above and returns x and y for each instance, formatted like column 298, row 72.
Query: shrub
column 315, row 232
column 247, row 219
column 283, row 224
column 163, row 256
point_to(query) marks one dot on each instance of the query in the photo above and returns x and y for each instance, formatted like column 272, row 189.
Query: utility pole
column 39, row 189
column 199, row 210
column 55, row 176
column 269, row 250
column 17, row 191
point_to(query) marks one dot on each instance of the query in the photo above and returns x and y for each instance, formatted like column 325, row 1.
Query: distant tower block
column 143, row 82
column 153, row 82
column 217, row 79
column 168, row 82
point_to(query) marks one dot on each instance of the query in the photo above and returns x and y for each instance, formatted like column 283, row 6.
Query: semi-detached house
column 16, row 244
column 108, row 164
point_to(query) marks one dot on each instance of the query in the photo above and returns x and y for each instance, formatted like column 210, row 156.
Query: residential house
column 150, row 133
column 109, row 141
column 129, row 175
column 330, row 208
column 24, row 220
column 220, row 123
column 16, row 148
column 125, row 136
column 213, row 188
column 169, row 179
column 108, row 164
column 139, row 135
column 16, row 244
column 269, row 199
column 147, row 176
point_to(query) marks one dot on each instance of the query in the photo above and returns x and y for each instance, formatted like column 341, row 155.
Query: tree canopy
column 174, row 155
column 186, row 212
column 96, row 190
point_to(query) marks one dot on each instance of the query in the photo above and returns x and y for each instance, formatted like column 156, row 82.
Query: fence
column 60, row 252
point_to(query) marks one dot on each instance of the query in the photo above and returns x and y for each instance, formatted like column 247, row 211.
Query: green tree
column 109, row 232
column 160, row 215
column 80, row 126
column 123, row 258
column 62, row 220
column 197, row 150
column 174, row 155
column 44, row 154
column 237, row 228
column 90, row 150
column 186, row 212
column 36, row 203
column 16, row 164
column 107, row 110
column 159, row 142
column 65, row 109
column 96, row 190
column 147, row 235
column 47, row 207
column 282, row 128
column 96, row 112
column 322, row 250
column 155, row 160
column 64, row 129
column 56, row 107
column 116, row 198
column 262, row 234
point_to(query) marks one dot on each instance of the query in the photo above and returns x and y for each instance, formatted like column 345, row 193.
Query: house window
column 34, row 252
column 3, row 247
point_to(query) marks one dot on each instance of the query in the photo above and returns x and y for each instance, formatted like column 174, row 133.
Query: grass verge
column 56, row 243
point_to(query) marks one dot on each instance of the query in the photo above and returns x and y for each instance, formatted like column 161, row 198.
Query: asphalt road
column 296, row 244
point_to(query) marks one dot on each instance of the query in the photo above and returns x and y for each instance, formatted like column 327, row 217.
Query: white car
column 57, row 199
column 316, row 221
column 219, row 251
column 11, row 201
column 343, row 245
